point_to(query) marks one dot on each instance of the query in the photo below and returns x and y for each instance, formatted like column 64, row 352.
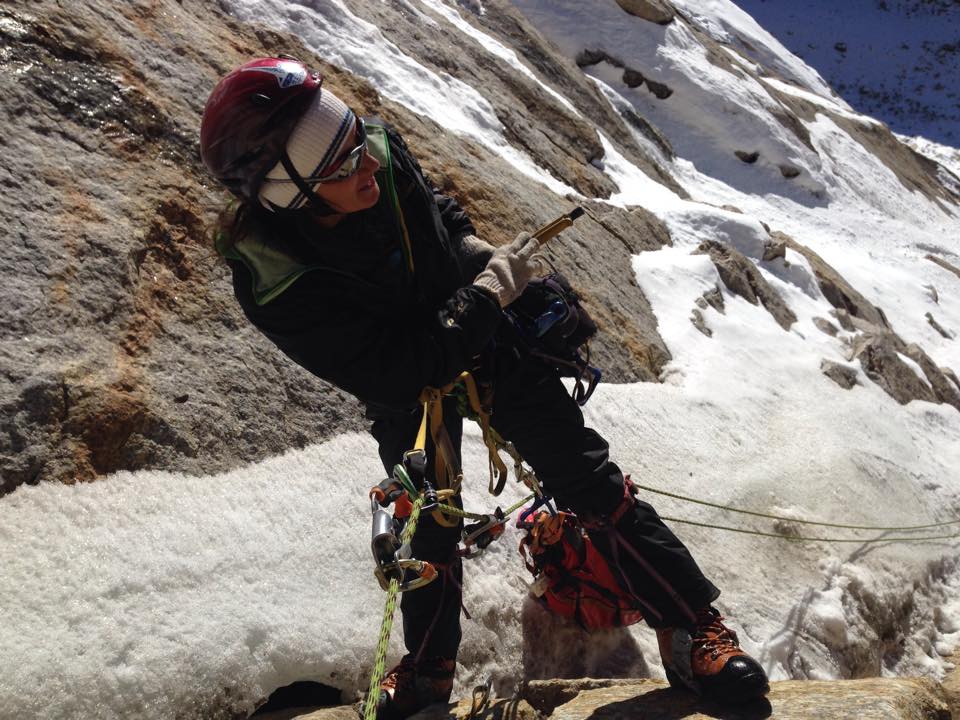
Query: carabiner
column 424, row 573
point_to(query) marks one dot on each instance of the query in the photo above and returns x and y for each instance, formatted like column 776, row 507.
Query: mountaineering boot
column 410, row 687
column 707, row 659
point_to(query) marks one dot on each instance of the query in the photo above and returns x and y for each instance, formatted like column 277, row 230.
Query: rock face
column 944, row 264
column 880, row 699
column 741, row 276
column 833, row 286
column 872, row 699
column 845, row 377
column 122, row 346
column 655, row 11
column 951, row 686
column 882, row 353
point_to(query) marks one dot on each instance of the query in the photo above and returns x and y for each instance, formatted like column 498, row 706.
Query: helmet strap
column 318, row 204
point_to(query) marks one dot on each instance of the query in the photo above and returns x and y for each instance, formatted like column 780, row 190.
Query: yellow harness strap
column 447, row 473
column 498, row 471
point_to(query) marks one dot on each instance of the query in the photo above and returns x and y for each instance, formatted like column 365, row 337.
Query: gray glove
column 472, row 253
column 510, row 268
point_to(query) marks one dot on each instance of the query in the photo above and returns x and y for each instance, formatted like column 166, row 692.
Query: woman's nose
column 370, row 163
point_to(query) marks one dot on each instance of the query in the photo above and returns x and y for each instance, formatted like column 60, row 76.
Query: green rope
column 798, row 538
column 380, row 663
column 386, row 626
column 790, row 519
column 451, row 510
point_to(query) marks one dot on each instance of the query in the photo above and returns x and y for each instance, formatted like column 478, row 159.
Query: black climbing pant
column 533, row 409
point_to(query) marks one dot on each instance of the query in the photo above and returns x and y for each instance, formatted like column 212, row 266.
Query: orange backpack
column 572, row 579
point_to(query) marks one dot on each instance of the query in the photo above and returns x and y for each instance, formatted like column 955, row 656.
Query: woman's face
column 357, row 192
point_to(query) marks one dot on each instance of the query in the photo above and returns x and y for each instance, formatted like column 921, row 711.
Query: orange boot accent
column 707, row 659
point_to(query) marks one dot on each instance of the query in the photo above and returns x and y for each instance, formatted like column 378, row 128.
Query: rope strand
column 799, row 538
column 729, row 508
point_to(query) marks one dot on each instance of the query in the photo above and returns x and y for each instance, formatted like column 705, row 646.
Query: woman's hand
column 510, row 269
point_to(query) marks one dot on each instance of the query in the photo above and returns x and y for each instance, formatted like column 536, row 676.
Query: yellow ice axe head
column 561, row 223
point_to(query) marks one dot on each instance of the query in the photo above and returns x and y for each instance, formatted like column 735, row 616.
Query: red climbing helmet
column 249, row 116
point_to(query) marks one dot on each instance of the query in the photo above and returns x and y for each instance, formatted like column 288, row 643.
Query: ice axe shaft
column 561, row 223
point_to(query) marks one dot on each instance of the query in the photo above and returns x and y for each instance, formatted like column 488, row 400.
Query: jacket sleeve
column 454, row 218
column 378, row 352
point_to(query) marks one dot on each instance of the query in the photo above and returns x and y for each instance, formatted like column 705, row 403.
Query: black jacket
column 359, row 320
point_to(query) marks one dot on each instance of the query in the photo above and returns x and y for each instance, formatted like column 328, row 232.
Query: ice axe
column 554, row 228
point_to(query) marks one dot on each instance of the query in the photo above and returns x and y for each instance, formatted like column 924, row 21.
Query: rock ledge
column 633, row 699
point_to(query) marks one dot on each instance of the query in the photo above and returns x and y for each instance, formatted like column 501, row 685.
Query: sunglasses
column 351, row 161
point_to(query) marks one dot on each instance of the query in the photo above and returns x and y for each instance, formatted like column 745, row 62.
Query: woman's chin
column 369, row 193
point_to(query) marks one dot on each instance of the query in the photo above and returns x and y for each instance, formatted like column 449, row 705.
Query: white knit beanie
column 319, row 137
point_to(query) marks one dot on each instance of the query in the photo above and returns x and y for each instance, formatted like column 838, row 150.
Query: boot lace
column 713, row 637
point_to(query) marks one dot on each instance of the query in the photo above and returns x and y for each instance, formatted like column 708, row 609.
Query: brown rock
column 826, row 326
column 495, row 709
column 773, row 250
column 696, row 317
column 656, row 11
column 878, row 357
column 647, row 129
column 869, row 699
column 659, row 89
column 714, row 298
column 952, row 375
column 834, row 287
column 741, row 276
column 938, row 327
column 789, row 171
column 951, row 686
column 845, row 377
column 588, row 57
column 632, row 78
column 845, row 319
column 747, row 157
column 943, row 387
column 944, row 264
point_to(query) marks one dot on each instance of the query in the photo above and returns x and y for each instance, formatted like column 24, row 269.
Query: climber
column 356, row 267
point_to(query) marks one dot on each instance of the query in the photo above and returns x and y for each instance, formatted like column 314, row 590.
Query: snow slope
column 151, row 595
column 895, row 59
